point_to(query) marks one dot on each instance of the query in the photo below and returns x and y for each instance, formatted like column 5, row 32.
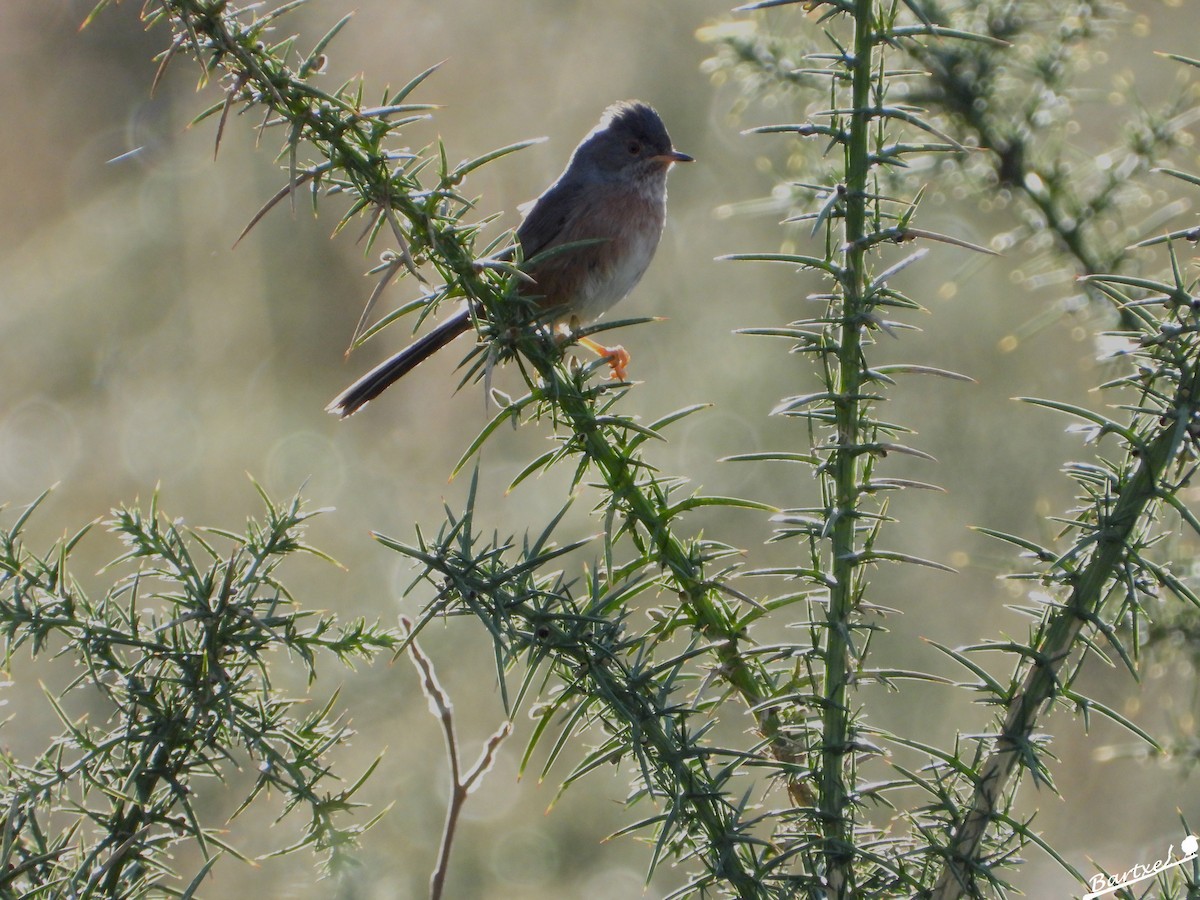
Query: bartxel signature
column 1106, row 884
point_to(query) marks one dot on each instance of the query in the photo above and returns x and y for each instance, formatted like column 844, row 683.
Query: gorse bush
column 179, row 651
column 729, row 691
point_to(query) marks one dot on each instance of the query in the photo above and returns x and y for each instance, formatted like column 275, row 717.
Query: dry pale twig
column 461, row 785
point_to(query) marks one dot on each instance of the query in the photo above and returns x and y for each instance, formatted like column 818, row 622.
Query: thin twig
column 460, row 786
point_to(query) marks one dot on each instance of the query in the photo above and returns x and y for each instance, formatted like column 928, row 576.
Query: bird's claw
column 617, row 359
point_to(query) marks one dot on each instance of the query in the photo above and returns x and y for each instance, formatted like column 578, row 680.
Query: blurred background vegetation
column 141, row 350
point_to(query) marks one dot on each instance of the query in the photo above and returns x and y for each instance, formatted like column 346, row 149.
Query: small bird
column 612, row 196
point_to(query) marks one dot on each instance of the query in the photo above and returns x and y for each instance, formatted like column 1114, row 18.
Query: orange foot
column 617, row 357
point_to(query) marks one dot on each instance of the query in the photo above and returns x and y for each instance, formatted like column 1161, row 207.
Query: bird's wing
column 546, row 217
column 564, row 214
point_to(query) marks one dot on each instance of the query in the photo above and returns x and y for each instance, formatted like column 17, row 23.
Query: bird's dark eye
column 634, row 148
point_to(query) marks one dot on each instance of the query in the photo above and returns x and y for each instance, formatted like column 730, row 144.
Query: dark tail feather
column 375, row 382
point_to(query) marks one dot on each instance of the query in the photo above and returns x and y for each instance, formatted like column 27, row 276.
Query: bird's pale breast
column 626, row 224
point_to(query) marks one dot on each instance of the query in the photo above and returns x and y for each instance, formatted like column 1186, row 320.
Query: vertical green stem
column 844, row 466
column 1042, row 679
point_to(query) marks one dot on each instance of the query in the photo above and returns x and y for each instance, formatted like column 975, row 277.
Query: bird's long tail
column 375, row 382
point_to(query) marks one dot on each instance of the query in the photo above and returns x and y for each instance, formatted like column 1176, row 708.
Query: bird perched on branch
column 611, row 202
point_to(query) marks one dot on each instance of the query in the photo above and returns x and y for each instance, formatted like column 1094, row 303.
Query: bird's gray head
column 629, row 142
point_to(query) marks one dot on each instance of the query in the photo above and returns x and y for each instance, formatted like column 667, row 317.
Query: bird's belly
column 606, row 286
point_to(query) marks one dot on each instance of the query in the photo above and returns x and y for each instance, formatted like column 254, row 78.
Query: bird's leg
column 617, row 357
